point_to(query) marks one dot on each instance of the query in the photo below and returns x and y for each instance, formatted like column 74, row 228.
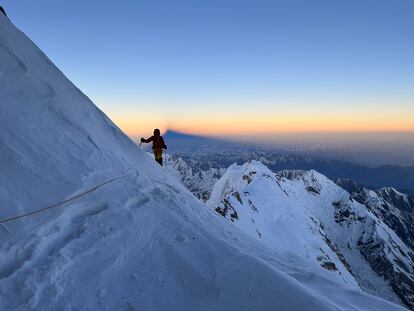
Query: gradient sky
column 234, row 67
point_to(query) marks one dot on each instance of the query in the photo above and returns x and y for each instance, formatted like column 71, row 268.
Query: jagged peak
column 390, row 191
column 313, row 180
column 292, row 174
column 241, row 175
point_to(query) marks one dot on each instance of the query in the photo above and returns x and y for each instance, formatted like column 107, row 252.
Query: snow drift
column 142, row 242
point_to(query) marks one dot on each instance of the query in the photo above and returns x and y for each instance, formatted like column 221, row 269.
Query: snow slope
column 394, row 208
column 141, row 242
column 305, row 213
column 263, row 205
column 53, row 138
column 146, row 243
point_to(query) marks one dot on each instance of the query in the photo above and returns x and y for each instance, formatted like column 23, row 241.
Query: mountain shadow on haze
column 220, row 153
column 187, row 143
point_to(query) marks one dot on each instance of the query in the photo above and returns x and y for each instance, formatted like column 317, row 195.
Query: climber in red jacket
column 157, row 145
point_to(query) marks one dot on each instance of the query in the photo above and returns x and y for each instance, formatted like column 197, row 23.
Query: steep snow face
column 307, row 214
column 265, row 206
column 53, row 139
column 146, row 243
column 396, row 210
column 367, row 235
column 399, row 200
column 140, row 242
column 392, row 207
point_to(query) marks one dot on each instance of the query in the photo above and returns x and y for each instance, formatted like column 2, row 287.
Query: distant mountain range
column 361, row 238
column 218, row 153
column 89, row 221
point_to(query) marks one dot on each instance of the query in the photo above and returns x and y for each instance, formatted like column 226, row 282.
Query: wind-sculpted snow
column 147, row 237
column 269, row 208
column 53, row 139
column 140, row 242
column 307, row 214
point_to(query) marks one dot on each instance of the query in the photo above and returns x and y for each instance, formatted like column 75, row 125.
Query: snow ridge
column 142, row 243
column 307, row 214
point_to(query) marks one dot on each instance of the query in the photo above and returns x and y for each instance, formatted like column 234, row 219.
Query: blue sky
column 211, row 66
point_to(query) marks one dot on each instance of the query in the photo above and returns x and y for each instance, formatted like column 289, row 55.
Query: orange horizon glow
column 226, row 125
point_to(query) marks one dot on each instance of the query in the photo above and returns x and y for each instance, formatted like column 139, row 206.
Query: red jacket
column 157, row 143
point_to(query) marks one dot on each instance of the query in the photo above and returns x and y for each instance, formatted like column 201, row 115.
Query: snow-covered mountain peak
column 239, row 176
column 313, row 181
column 396, row 198
column 385, row 199
column 126, row 235
column 391, row 191
column 274, row 210
column 307, row 214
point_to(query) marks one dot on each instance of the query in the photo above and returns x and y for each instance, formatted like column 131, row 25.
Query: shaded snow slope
column 142, row 242
column 53, row 139
column 305, row 213
column 267, row 208
column 146, row 243
column 392, row 207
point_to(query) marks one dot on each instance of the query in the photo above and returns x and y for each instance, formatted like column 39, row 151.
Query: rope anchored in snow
column 2, row 221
